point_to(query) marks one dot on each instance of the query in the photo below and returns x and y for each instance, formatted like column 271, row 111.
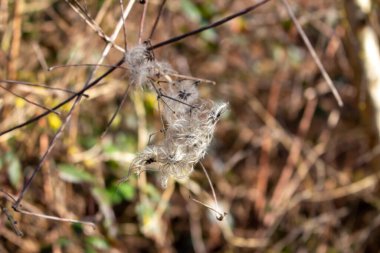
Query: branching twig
column 12, row 222
column 13, row 82
column 117, row 65
column 28, row 100
column 76, row 102
column 67, row 100
column 204, row 28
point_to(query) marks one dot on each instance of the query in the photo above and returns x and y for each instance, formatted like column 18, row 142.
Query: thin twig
column 295, row 152
column 85, row 65
column 76, row 102
column 40, row 56
column 160, row 11
column 192, row 78
column 212, row 190
column 12, row 222
column 220, row 215
column 13, row 82
column 118, row 27
column 160, row 95
column 117, row 111
column 313, row 53
column 67, row 100
column 46, row 154
column 142, row 22
column 96, row 81
column 16, row 33
column 204, row 28
column 93, row 25
column 29, row 101
column 124, row 27
column 50, row 217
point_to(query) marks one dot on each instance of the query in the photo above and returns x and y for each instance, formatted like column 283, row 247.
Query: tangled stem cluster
column 189, row 120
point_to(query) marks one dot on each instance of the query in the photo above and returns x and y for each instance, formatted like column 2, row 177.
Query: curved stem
column 204, row 28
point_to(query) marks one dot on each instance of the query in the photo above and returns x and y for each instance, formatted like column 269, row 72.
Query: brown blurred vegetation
column 295, row 172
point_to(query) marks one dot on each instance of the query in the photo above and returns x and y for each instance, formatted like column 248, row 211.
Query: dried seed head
column 142, row 65
column 190, row 120
column 184, row 90
column 217, row 111
column 187, row 138
column 184, row 96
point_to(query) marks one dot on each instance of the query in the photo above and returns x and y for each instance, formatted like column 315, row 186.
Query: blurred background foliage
column 295, row 172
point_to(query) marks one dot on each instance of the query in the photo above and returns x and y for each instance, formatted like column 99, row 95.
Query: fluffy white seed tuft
column 187, row 138
column 190, row 120
column 142, row 66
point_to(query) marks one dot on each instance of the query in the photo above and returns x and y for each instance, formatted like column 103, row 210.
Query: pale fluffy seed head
column 190, row 120
column 185, row 144
column 142, row 66
column 184, row 94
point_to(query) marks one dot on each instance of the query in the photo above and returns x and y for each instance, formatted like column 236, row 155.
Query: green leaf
column 191, row 11
column 89, row 250
column 97, row 242
column 88, row 141
column 113, row 196
column 102, row 195
column 14, row 169
column 126, row 190
column 125, row 142
column 197, row 14
column 63, row 241
column 110, row 148
column 73, row 174
column 1, row 163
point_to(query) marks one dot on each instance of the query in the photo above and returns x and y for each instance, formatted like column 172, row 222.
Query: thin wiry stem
column 12, row 222
column 50, row 217
column 176, row 100
column 161, row 116
column 117, row 110
column 56, row 136
column 160, row 11
column 80, row 93
column 76, row 102
column 46, row 154
column 85, row 65
column 185, row 77
column 93, row 25
column 160, row 94
column 204, row 28
column 124, row 27
column 142, row 22
column 118, row 27
column 220, row 217
column 67, row 100
column 313, row 53
column 14, row 82
column 29, row 101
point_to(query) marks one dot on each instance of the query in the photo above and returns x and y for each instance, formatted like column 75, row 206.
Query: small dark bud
column 150, row 160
